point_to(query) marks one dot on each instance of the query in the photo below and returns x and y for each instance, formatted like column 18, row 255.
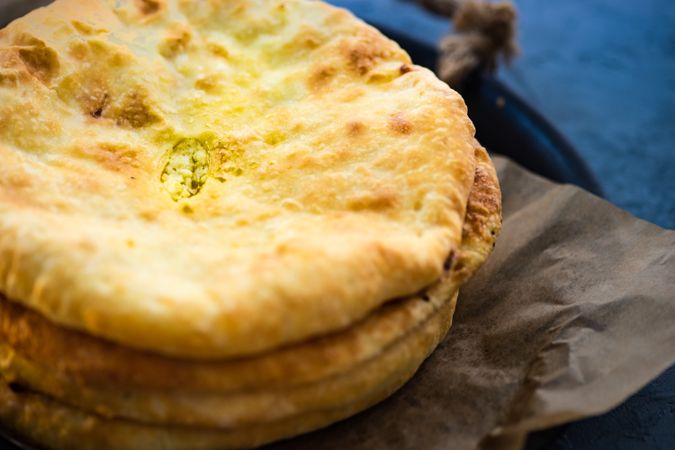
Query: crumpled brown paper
column 572, row 313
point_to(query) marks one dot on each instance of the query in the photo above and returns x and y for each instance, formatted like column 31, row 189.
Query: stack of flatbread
column 222, row 222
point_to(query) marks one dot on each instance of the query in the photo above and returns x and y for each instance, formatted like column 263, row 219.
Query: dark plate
column 507, row 125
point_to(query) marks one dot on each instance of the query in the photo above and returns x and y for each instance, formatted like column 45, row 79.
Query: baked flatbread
column 209, row 179
column 223, row 222
column 364, row 359
column 322, row 374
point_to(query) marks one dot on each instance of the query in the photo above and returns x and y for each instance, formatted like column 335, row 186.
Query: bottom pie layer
column 43, row 420
column 325, row 373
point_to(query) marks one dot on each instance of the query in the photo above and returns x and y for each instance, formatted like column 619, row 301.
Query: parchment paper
column 573, row 312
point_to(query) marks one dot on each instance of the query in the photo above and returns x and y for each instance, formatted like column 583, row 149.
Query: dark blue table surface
column 603, row 72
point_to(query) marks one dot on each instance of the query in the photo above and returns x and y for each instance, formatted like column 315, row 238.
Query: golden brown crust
column 223, row 223
column 110, row 226
column 40, row 355
column 483, row 220
column 190, row 406
column 41, row 419
column 30, row 415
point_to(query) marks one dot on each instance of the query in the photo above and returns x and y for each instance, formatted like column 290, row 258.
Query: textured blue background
column 603, row 72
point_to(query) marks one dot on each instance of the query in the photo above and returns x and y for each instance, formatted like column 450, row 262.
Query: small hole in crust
column 16, row 387
column 96, row 102
column 447, row 264
column 98, row 113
